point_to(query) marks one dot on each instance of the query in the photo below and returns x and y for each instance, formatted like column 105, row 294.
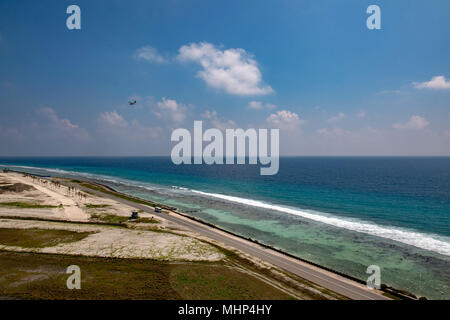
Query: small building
column 134, row 215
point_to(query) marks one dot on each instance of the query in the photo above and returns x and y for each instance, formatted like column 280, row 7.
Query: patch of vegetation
column 300, row 284
column 42, row 276
column 144, row 220
column 112, row 218
column 109, row 218
column 221, row 282
column 38, row 238
column 90, row 206
column 15, row 187
column 26, row 205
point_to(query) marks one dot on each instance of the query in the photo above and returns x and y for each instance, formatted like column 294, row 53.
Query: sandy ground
column 117, row 242
column 70, row 209
column 106, row 241
column 74, row 207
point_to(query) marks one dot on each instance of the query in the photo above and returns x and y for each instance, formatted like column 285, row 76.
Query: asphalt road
column 323, row 278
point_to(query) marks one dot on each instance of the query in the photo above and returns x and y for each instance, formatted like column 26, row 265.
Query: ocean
column 344, row 213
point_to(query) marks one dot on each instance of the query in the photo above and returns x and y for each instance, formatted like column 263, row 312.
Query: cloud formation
column 61, row 123
column 231, row 70
column 54, row 128
column 361, row 114
column 113, row 119
column 171, row 109
column 215, row 122
column 436, row 83
column 333, row 132
column 284, row 120
column 336, row 118
column 258, row 105
column 415, row 122
column 150, row 54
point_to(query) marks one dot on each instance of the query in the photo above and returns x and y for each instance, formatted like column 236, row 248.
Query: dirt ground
column 76, row 206
column 116, row 242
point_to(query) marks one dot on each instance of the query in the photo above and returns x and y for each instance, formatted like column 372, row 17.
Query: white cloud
column 333, row 132
column 56, row 128
column 232, row 70
column 209, row 114
column 436, row 83
column 284, row 119
column 149, row 53
column 336, row 118
column 258, row 105
column 113, row 119
column 171, row 109
column 323, row 131
column 61, row 123
column 415, row 122
column 216, row 122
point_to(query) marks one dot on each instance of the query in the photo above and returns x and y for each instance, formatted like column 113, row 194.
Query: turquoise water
column 343, row 213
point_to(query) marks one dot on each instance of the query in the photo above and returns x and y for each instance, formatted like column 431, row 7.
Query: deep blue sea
column 345, row 213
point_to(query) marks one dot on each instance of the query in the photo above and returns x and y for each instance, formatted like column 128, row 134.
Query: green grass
column 90, row 206
column 112, row 218
column 301, row 285
column 220, row 282
column 109, row 218
column 38, row 238
column 42, row 276
column 26, row 205
column 144, row 220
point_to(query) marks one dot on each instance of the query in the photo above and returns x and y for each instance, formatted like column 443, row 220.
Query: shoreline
column 102, row 188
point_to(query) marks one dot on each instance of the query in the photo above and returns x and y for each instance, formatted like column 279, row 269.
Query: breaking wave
column 424, row 241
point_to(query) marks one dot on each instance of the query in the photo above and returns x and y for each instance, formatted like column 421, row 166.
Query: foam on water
column 434, row 243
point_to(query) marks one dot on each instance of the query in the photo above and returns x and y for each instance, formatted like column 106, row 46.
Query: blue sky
column 310, row 68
